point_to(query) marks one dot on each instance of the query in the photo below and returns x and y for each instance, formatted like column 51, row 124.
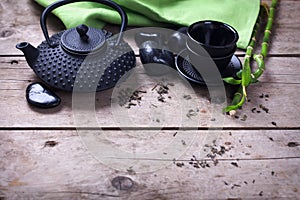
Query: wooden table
column 255, row 155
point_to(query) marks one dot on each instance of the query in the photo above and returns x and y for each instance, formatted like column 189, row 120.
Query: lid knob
column 82, row 31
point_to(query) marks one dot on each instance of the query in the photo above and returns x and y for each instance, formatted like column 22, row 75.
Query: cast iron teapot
column 87, row 58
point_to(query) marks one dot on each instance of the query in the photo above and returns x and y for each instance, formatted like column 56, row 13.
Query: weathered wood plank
column 254, row 182
column 278, row 70
column 31, row 169
column 254, row 164
column 280, row 80
column 19, row 21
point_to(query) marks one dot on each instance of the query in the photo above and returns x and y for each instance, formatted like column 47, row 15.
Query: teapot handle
column 57, row 4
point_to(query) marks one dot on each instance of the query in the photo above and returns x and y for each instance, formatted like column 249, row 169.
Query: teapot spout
column 31, row 53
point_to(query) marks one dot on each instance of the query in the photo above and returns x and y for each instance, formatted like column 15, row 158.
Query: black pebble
column 152, row 54
column 39, row 95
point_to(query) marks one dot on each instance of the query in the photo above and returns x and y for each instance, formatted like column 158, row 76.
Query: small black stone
column 156, row 59
column 39, row 95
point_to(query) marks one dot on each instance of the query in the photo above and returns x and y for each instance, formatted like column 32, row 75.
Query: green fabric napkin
column 241, row 14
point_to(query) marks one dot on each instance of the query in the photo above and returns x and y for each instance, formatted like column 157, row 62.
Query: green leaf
column 236, row 106
column 246, row 73
column 232, row 81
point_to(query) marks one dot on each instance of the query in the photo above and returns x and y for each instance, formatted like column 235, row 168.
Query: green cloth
column 241, row 14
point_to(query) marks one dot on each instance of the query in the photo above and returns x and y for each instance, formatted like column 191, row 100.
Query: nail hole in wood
column 14, row 62
column 50, row 143
column 293, row 144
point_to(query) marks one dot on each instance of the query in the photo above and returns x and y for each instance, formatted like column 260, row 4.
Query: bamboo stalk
column 265, row 45
column 239, row 98
column 248, row 78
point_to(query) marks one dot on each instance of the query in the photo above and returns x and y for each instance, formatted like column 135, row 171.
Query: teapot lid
column 82, row 39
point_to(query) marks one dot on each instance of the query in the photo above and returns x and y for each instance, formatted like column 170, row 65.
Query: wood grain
column 72, row 172
column 19, row 21
column 280, row 80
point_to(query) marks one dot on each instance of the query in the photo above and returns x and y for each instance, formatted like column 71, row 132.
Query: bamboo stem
column 265, row 45
column 246, row 76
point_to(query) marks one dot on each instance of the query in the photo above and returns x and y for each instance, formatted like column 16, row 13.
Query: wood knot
column 122, row 183
column 293, row 144
column 50, row 143
column 6, row 33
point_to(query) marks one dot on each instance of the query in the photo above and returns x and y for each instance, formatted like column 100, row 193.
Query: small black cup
column 217, row 38
column 211, row 40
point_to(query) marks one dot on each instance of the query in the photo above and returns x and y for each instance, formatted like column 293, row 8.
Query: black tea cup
column 214, row 39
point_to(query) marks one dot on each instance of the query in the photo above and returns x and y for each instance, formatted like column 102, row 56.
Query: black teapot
column 83, row 58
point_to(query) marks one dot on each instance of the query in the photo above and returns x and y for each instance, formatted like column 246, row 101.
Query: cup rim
column 236, row 35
